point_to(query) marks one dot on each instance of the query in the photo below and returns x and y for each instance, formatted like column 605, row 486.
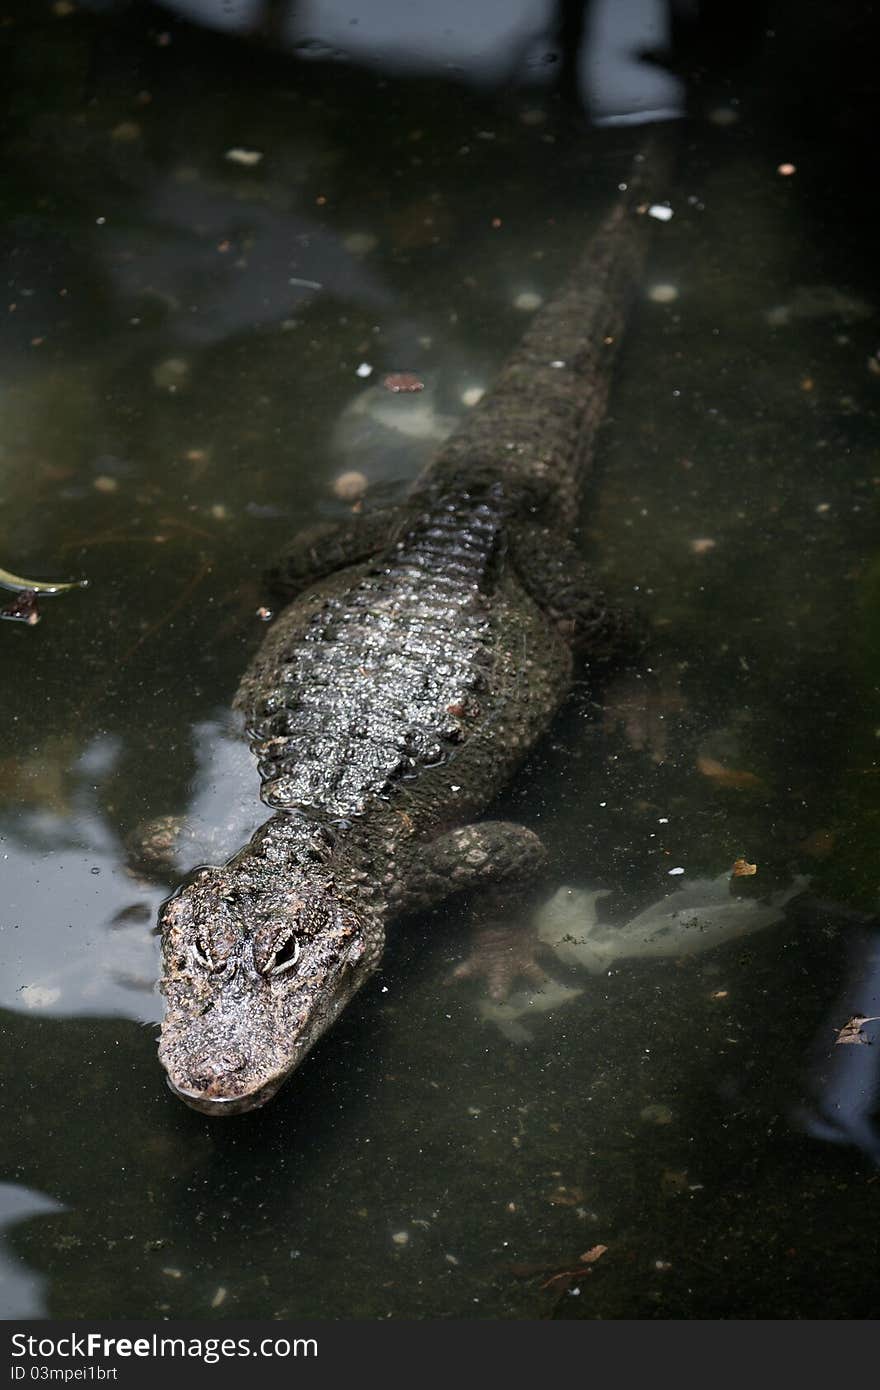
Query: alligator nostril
column 213, row 1076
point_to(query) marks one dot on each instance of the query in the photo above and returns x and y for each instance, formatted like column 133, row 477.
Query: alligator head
column 253, row 974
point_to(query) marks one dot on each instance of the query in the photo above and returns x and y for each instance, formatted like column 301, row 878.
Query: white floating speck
column 663, row 294
column 473, row 395
column 248, row 158
column 528, row 301
column 219, row 1297
column 364, row 370
column 661, row 211
column 676, row 871
column 401, row 1238
column 557, row 363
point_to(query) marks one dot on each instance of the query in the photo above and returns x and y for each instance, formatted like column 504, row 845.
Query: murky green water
column 177, row 402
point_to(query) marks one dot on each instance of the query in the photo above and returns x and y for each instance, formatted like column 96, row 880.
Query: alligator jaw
column 224, row 1105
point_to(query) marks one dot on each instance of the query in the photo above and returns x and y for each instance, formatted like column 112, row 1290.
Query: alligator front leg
column 328, row 546
column 554, row 572
column 501, row 865
column 611, row 641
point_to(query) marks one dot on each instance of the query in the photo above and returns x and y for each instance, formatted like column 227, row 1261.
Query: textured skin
column 392, row 700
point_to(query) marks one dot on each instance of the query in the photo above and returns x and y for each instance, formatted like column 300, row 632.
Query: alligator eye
column 286, row 957
column 202, row 954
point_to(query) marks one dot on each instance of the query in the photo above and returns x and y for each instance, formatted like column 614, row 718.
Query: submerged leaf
column 851, row 1032
column 733, row 778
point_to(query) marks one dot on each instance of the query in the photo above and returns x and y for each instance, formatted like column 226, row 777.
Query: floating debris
column 663, row 294
column 249, row 159
column 472, row 395
column 403, row 381
column 506, row 1016
column 690, row 920
column 702, row 545
column 786, row 170
column 364, row 370
column 400, row 1238
column 589, row 1257
column 851, row 1032
column 743, row 869
column 662, row 211
column 657, row 1114
column 732, row 777
column 528, row 301
column 39, row 996
column 350, row 486
column 22, row 609
column 819, row 302
column 39, row 586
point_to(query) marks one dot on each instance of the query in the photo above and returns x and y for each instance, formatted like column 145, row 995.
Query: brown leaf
column 743, row 869
column 851, row 1032
column 589, row 1257
column 733, row 778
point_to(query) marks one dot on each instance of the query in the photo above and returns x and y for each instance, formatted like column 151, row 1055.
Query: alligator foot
column 556, row 575
column 502, row 866
column 501, row 955
column 646, row 707
column 328, row 546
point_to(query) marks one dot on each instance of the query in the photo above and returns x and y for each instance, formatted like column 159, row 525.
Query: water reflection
column 21, row 1294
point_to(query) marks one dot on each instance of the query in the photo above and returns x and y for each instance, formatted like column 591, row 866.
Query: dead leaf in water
column 743, row 869
column 589, row 1257
column 851, row 1032
column 733, row 778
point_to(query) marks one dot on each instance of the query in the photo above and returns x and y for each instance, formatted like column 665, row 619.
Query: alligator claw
column 502, row 955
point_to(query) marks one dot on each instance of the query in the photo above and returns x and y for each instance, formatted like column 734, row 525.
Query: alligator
column 425, row 650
